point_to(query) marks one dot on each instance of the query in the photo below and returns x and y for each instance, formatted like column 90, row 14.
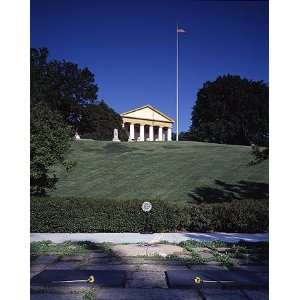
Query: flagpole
column 177, row 94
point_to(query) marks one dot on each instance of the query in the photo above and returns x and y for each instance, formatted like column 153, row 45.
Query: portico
column 147, row 124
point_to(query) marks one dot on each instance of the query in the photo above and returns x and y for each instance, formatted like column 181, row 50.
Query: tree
column 98, row 122
column 49, row 140
column 231, row 110
column 62, row 85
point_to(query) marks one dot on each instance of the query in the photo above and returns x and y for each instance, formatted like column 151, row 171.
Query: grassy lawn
column 182, row 171
column 66, row 248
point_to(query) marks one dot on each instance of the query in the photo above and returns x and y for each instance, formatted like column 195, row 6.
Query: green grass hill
column 183, row 171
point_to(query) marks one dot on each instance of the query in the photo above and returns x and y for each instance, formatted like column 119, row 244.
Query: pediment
column 147, row 112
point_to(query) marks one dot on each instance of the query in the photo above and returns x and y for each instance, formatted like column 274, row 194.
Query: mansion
column 147, row 124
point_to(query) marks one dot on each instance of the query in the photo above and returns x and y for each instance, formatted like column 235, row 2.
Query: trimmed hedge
column 91, row 215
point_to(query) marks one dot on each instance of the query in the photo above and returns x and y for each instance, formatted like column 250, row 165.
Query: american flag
column 180, row 30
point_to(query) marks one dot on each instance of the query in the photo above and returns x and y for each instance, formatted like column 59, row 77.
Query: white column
column 151, row 133
column 123, row 125
column 131, row 134
column 142, row 135
column 160, row 133
column 169, row 134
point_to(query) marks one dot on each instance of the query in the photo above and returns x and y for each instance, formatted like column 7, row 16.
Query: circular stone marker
column 146, row 206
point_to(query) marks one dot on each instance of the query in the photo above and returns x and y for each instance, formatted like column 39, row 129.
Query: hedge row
column 91, row 215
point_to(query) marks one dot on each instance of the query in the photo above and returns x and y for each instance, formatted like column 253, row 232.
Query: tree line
column 63, row 100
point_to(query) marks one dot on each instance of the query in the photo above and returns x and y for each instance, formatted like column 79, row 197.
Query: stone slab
column 97, row 255
column 35, row 268
column 72, row 258
column 50, row 296
column 44, row 259
column 102, row 278
column 123, row 267
column 257, row 294
column 64, row 265
column 239, row 279
column 147, row 280
column 222, row 294
column 208, row 267
column 161, row 268
column 147, row 294
column 142, row 250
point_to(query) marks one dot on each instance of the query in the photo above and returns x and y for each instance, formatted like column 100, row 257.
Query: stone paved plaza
column 125, row 277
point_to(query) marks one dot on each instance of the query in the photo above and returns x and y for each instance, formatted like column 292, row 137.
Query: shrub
column 49, row 141
column 90, row 215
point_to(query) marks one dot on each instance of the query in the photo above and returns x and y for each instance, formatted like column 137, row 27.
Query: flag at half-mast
column 180, row 29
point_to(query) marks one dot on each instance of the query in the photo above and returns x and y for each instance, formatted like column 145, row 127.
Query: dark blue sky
column 130, row 46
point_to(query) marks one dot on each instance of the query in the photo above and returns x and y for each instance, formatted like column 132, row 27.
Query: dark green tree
column 61, row 84
column 231, row 110
column 98, row 122
column 49, row 140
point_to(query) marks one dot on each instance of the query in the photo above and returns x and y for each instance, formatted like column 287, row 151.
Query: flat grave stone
column 147, row 294
column 222, row 294
column 64, row 265
column 102, row 278
column 147, row 280
column 52, row 296
column 72, row 258
column 257, row 294
column 44, row 259
column 239, row 278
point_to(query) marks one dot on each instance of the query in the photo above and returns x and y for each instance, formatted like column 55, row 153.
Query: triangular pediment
column 147, row 112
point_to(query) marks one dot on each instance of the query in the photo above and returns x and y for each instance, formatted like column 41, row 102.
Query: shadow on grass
column 225, row 192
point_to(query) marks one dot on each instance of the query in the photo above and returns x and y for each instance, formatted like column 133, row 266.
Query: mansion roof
column 147, row 112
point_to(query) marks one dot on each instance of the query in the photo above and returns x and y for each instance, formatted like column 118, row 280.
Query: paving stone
column 64, row 265
column 222, row 294
column 35, row 268
column 97, row 255
column 162, row 268
column 123, row 267
column 100, row 261
column 257, row 294
column 50, row 296
column 147, row 294
column 205, row 255
column 204, row 252
column 141, row 250
column 102, row 278
column 72, row 258
column 45, row 259
column 147, row 280
column 256, row 269
column 239, row 278
column 208, row 267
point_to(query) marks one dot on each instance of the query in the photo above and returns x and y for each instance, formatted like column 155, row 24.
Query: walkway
column 148, row 238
